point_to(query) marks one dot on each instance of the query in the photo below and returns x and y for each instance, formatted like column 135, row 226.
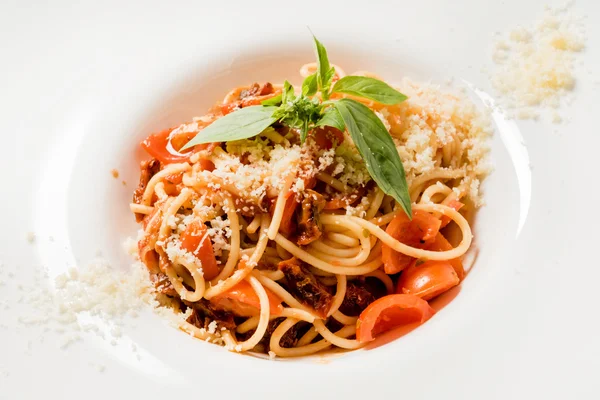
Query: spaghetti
column 269, row 245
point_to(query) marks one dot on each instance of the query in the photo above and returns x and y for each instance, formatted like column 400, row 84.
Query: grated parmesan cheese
column 212, row 327
column 431, row 120
column 535, row 66
column 350, row 167
column 92, row 300
column 359, row 210
column 172, row 221
column 130, row 246
column 220, row 233
column 325, row 159
column 175, row 252
column 265, row 169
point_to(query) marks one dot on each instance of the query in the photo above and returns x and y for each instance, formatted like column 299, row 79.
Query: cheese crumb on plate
column 535, row 66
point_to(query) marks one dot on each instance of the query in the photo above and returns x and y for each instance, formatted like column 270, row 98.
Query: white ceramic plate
column 82, row 84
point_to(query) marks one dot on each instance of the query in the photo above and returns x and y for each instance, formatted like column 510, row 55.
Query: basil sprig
column 307, row 111
column 325, row 72
column 301, row 112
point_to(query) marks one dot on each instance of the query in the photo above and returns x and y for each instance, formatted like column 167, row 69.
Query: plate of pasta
column 219, row 210
column 283, row 221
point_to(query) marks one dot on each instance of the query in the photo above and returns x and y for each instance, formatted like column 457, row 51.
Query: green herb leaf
column 377, row 148
column 304, row 131
column 301, row 113
column 288, row 93
column 240, row 124
column 332, row 118
column 310, row 86
column 273, row 101
column 369, row 88
column 325, row 72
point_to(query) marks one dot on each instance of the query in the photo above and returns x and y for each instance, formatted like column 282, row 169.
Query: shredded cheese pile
column 95, row 299
column 433, row 119
column 535, row 66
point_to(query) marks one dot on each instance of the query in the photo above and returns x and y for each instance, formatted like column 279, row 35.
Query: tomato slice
column 441, row 244
column 195, row 240
column 166, row 150
column 206, row 165
column 157, row 146
column 310, row 182
column 242, row 300
column 428, row 279
column 418, row 232
column 288, row 224
column 246, row 102
column 457, row 205
column 326, row 136
column 345, row 200
column 389, row 312
column 336, row 203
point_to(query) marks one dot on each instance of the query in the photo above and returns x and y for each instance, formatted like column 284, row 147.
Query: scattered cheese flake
column 220, row 233
column 212, row 327
column 30, row 237
column 175, row 252
column 535, row 66
column 94, row 299
column 326, row 159
column 131, row 247
column 255, row 168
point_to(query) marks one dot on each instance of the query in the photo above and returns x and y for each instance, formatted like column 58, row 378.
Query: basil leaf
column 288, row 93
column 309, row 86
column 324, row 71
column 240, row 124
column 377, row 148
column 274, row 101
column 369, row 88
column 332, row 118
